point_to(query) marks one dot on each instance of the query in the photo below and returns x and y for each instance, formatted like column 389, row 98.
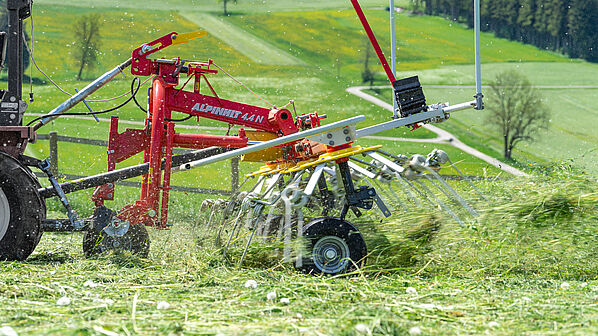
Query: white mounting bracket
column 336, row 137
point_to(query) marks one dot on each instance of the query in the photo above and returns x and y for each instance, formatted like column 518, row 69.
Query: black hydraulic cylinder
column 128, row 172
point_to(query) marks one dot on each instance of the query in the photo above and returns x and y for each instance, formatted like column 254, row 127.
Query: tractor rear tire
column 22, row 210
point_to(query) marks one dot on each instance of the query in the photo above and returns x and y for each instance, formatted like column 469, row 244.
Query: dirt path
column 442, row 135
column 247, row 44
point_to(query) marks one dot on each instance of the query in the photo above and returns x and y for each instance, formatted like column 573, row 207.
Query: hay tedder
column 315, row 177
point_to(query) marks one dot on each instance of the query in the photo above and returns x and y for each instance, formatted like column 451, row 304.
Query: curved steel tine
column 288, row 213
column 384, row 195
column 466, row 178
column 247, row 224
column 287, row 230
column 442, row 205
column 449, row 191
column 300, row 221
column 229, row 207
column 406, row 186
column 212, row 211
column 230, row 237
column 256, row 213
column 265, row 227
column 419, row 192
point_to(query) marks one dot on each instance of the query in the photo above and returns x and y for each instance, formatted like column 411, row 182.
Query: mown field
column 527, row 265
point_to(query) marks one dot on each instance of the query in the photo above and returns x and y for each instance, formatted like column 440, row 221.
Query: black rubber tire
column 136, row 240
column 336, row 233
column 27, row 209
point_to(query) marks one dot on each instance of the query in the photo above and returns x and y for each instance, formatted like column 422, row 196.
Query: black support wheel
column 96, row 240
column 334, row 246
column 22, row 210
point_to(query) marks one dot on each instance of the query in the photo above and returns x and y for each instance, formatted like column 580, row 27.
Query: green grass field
column 571, row 135
column 527, row 265
column 216, row 6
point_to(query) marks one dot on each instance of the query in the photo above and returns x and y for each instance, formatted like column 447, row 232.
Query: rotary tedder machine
column 315, row 177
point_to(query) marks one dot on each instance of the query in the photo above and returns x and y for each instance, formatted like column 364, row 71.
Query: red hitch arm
column 142, row 66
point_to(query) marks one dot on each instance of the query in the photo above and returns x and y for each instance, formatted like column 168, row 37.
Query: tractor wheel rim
column 331, row 254
column 4, row 214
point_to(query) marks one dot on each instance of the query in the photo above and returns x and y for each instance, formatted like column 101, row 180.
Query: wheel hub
column 331, row 254
column 4, row 214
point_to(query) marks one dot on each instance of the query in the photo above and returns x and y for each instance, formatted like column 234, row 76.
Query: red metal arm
column 372, row 37
column 270, row 120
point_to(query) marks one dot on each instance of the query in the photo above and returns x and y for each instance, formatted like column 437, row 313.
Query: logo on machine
column 221, row 111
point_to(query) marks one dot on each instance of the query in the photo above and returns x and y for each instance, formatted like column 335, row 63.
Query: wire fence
column 55, row 139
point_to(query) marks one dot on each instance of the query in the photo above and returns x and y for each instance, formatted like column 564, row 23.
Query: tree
column 87, row 41
column 582, row 29
column 367, row 75
column 516, row 109
column 224, row 2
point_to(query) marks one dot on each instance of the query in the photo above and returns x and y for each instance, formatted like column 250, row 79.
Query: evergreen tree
column 567, row 26
column 582, row 29
column 556, row 21
column 525, row 20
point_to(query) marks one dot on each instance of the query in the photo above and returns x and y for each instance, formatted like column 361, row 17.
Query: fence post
column 53, row 135
column 234, row 173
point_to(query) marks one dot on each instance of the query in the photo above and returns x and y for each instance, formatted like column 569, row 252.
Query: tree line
column 566, row 26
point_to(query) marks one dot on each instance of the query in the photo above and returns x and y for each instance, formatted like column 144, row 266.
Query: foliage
column 516, row 108
column 367, row 75
column 87, row 41
column 564, row 26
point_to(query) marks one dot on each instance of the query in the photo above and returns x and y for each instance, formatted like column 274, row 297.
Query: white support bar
column 412, row 119
column 478, row 62
column 385, row 162
column 271, row 143
column 436, row 112
column 313, row 180
column 361, row 170
column 458, row 107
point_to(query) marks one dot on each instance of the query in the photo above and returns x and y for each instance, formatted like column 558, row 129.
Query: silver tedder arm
column 275, row 142
column 81, row 95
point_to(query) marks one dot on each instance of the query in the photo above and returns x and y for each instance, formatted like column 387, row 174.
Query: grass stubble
column 526, row 266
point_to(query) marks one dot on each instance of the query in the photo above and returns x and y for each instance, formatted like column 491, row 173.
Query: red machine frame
column 158, row 138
